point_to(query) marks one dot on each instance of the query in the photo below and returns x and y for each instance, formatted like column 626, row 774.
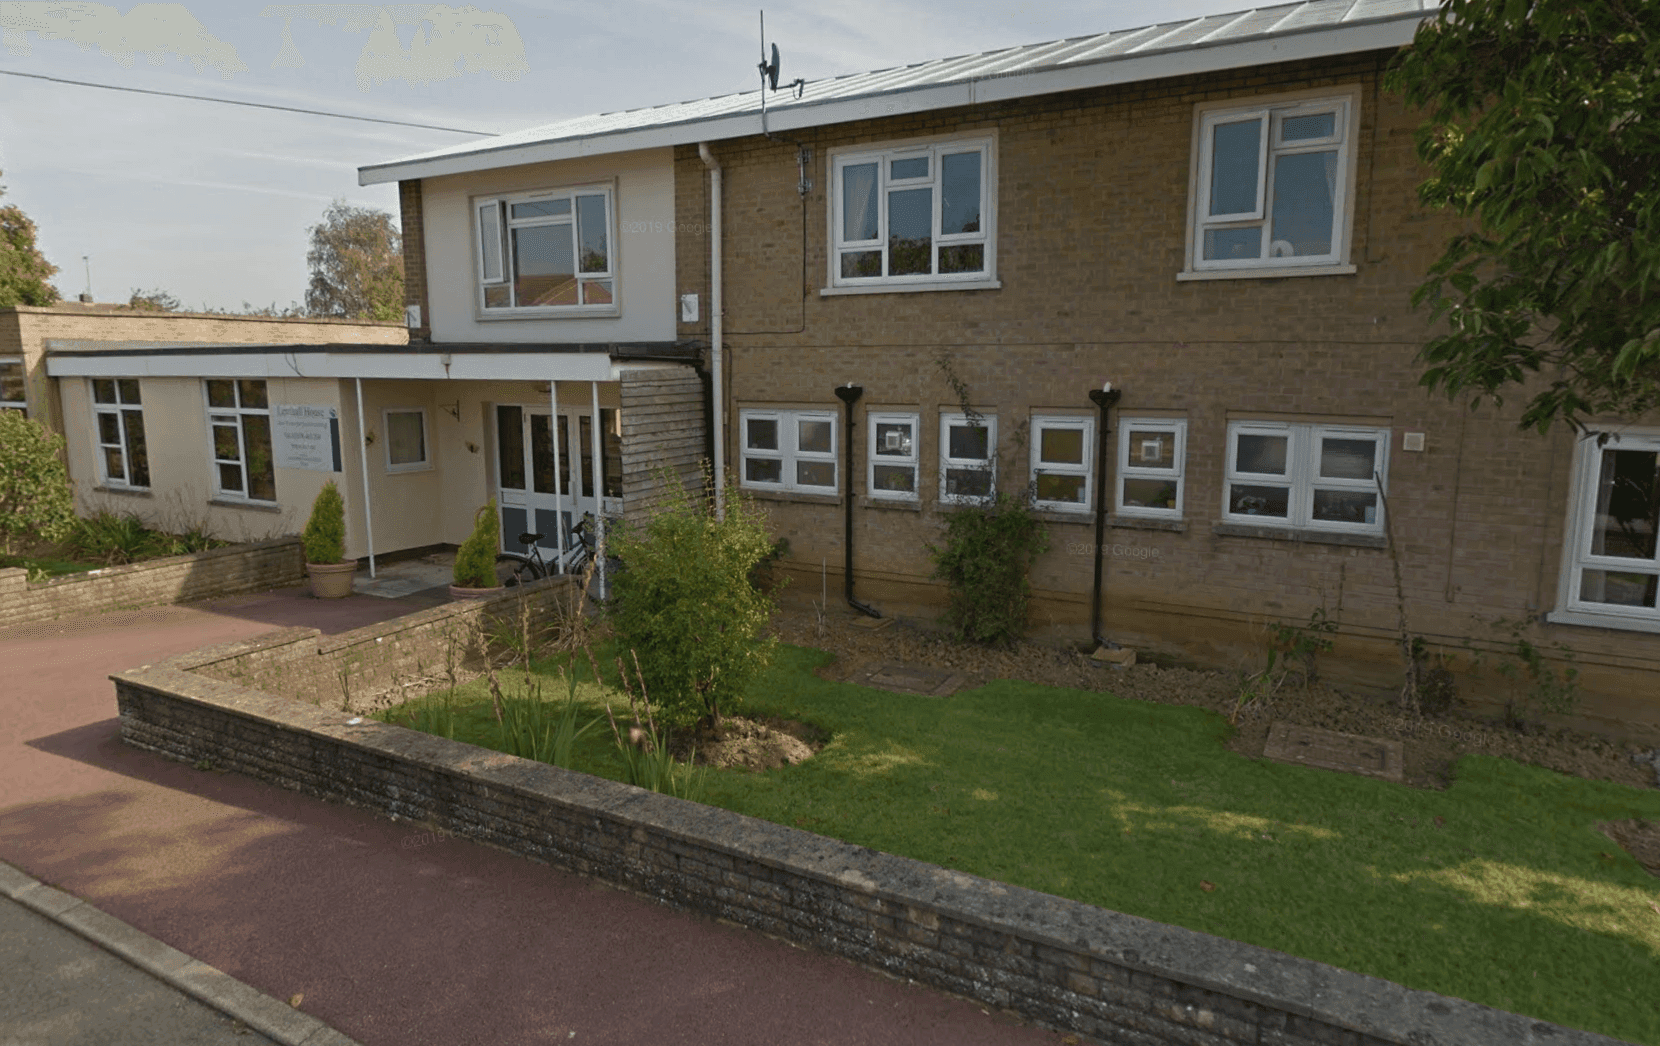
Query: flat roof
column 1281, row 33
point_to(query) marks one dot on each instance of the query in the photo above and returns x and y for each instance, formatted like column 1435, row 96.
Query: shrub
column 324, row 537
column 686, row 607
column 985, row 563
column 36, row 500
column 475, row 560
column 112, row 538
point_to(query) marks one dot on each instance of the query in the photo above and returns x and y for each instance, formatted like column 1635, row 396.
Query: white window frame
column 119, row 411
column 1302, row 478
column 1344, row 103
column 1128, row 467
column 23, row 382
column 1576, row 553
column 423, row 465
column 1082, row 423
column 239, row 412
column 883, row 156
column 989, row 463
column 912, row 460
column 493, row 251
column 788, row 452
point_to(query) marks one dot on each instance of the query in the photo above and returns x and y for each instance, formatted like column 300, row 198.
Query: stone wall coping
column 1313, row 990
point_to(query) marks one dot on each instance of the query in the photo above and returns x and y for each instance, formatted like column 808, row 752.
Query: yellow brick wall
column 1092, row 215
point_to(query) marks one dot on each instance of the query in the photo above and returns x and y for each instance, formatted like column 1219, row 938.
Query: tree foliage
column 156, row 300
column 1544, row 129
column 324, row 536
column 25, row 274
column 356, row 261
column 36, row 500
column 685, row 606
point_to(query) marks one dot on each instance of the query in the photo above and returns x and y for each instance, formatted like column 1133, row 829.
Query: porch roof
column 1279, row 33
column 461, row 362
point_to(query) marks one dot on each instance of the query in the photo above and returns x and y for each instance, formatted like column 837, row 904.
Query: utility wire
column 251, row 105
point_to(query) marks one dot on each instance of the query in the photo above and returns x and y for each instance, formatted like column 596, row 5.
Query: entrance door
column 526, row 469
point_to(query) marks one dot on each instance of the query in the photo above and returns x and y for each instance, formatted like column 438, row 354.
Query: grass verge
column 1499, row 890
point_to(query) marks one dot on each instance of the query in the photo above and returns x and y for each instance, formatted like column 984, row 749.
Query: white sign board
column 306, row 436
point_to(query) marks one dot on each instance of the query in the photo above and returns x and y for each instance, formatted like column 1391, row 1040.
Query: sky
column 212, row 203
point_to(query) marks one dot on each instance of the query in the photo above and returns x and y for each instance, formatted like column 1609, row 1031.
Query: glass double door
column 527, row 467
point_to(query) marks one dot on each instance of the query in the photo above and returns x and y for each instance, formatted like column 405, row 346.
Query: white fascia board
column 483, row 366
column 1326, row 42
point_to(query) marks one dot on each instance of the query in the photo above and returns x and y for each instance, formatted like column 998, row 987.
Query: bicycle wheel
column 513, row 569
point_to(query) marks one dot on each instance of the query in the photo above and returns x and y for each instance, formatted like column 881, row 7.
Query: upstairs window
column 913, row 215
column 1272, row 186
column 550, row 252
column 123, row 456
column 12, row 393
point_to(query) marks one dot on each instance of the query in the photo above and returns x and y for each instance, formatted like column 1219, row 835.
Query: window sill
column 1594, row 620
column 574, row 312
column 790, row 495
column 1049, row 515
column 1298, row 534
column 125, row 492
column 1276, row 272
column 400, row 470
column 257, row 506
column 891, row 504
column 1173, row 526
column 912, row 288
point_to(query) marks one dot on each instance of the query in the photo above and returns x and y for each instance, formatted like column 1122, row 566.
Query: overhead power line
column 250, row 105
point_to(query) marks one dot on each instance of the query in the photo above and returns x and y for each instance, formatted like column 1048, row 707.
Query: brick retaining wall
column 1109, row 976
column 174, row 579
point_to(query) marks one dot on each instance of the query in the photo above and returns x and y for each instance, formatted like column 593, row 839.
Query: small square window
column 892, row 456
column 1063, row 457
column 968, row 458
column 1152, row 456
column 406, row 439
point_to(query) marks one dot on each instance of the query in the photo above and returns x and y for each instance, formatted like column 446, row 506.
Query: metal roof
column 1285, row 32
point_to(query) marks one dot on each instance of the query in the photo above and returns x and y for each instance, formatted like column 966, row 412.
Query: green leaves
column 35, row 496
column 324, row 537
column 356, row 261
column 985, row 563
column 1541, row 131
column 25, row 274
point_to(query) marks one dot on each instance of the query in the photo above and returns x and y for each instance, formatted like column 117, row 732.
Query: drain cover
column 909, row 679
column 1330, row 750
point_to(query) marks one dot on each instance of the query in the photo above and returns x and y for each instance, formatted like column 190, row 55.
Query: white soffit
column 471, row 366
column 1260, row 36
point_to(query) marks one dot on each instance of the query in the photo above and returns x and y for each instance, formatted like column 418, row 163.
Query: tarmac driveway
column 392, row 936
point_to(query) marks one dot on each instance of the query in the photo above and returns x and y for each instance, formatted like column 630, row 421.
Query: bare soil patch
column 1431, row 745
column 742, row 742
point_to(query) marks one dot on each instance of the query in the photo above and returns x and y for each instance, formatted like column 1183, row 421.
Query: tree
column 35, row 497
column 1544, row 129
column 157, row 300
column 356, row 261
column 24, row 271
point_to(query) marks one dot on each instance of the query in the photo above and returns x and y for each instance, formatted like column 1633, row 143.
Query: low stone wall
column 1108, row 976
column 362, row 668
column 175, row 579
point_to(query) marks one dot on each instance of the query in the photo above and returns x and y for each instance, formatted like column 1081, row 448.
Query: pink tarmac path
column 393, row 937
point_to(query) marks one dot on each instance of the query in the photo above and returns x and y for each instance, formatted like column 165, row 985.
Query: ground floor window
column 1063, row 456
column 12, row 393
column 1322, row 477
column 1614, row 559
column 118, row 414
column 893, row 456
column 791, row 450
column 239, row 416
column 406, row 440
column 968, row 457
column 1152, row 454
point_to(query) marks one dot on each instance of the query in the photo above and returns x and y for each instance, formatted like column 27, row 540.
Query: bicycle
column 516, row 568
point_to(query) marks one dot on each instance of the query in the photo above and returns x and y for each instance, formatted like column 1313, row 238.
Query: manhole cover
column 1330, row 750
column 909, row 679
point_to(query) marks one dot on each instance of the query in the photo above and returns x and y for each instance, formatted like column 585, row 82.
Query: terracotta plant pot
column 331, row 580
column 463, row 592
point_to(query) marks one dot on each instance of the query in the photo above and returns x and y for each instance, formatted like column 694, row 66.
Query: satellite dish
column 770, row 69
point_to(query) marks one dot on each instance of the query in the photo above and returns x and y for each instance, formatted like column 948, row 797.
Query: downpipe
column 1103, row 398
column 849, row 394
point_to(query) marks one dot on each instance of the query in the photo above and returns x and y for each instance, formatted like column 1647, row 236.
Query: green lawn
column 1499, row 890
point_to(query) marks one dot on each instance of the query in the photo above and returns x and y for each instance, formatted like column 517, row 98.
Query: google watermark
column 1087, row 548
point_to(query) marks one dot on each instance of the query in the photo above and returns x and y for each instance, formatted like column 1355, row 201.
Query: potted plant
column 324, row 542
column 475, row 560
